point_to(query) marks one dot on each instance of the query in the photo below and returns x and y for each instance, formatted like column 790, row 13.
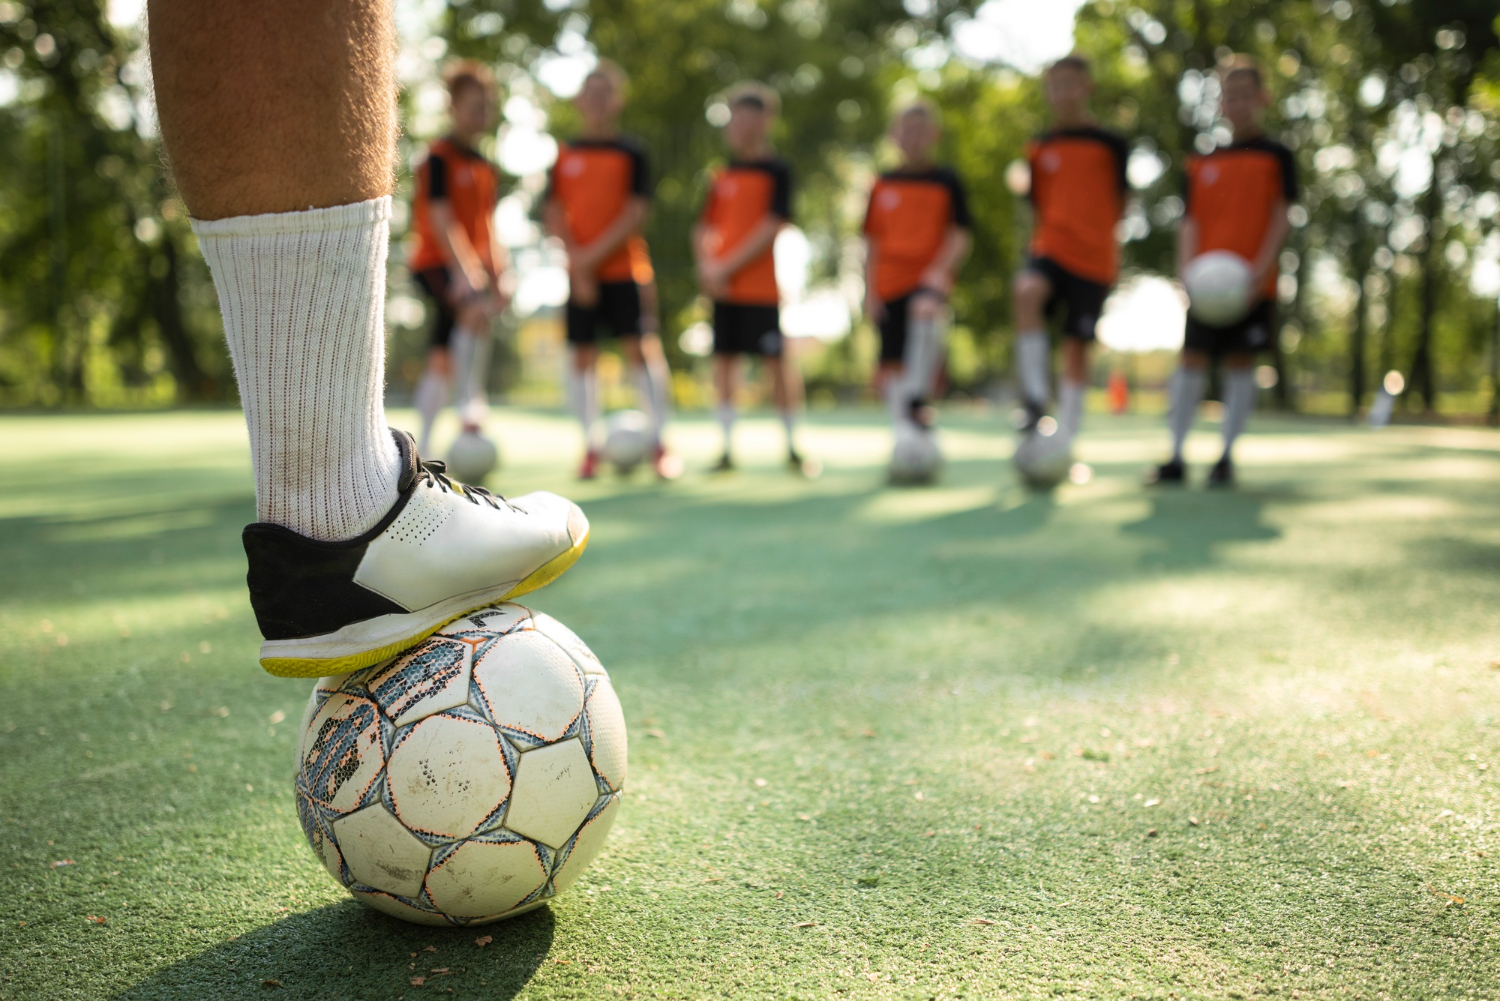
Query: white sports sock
column 653, row 385
column 583, row 399
column 1070, row 406
column 430, row 397
column 726, row 423
column 924, row 352
column 1033, row 352
column 1186, row 391
column 1239, row 400
column 303, row 300
column 895, row 396
column 789, row 423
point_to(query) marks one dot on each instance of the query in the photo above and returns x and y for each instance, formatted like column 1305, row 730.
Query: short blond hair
column 611, row 71
column 756, row 95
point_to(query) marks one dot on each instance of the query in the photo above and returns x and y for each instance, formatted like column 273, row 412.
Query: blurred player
column 281, row 139
column 456, row 257
column 1238, row 197
column 597, row 200
column 916, row 235
column 749, row 200
column 1078, row 190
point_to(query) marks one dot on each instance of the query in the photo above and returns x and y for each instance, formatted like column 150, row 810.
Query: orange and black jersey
column 1232, row 192
column 740, row 195
column 458, row 175
column 1078, row 189
column 593, row 180
column 907, row 221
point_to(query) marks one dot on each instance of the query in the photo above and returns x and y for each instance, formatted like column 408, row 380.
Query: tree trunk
column 166, row 309
column 1359, row 335
column 1420, row 379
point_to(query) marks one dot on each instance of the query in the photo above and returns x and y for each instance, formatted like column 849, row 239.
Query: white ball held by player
column 1218, row 287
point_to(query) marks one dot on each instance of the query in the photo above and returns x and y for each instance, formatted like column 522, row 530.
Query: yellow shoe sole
column 319, row 667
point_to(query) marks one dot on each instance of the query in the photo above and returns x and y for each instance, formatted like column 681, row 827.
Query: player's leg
column 726, row 366
column 1185, row 392
column 786, row 390
column 1073, row 385
column 1032, row 291
column 923, row 356
column 279, row 124
column 432, row 392
column 471, row 356
column 583, row 400
column 891, row 371
column 653, row 385
column 1239, row 400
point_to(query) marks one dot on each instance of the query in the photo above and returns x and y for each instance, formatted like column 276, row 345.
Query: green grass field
column 951, row 742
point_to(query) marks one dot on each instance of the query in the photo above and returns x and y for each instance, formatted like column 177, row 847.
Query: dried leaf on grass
column 982, row 921
column 1451, row 900
column 95, row 919
column 60, row 863
column 271, row 984
column 804, row 924
column 418, row 981
column 484, row 940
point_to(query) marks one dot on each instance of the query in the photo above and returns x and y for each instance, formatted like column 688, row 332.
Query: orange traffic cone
column 1119, row 393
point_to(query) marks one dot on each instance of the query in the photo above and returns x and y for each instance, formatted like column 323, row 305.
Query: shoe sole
column 341, row 654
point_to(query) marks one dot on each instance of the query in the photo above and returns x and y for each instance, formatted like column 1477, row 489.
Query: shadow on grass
column 346, row 951
column 1190, row 525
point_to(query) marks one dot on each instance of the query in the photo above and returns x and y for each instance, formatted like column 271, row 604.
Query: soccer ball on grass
column 471, row 778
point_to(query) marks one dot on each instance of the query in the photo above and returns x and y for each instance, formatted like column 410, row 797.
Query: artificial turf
column 959, row 741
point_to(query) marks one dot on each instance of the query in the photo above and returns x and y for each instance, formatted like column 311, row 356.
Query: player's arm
column 1270, row 248
column 459, row 255
column 874, row 308
column 755, row 243
column 628, row 223
column 944, row 267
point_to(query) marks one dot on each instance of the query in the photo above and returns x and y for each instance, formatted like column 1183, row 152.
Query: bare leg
column 279, row 123
column 277, row 105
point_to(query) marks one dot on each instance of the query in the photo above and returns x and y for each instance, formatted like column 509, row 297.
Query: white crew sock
column 789, row 424
column 303, row 300
column 430, row 397
column 1239, row 400
column 726, row 423
column 1070, row 406
column 583, row 399
column 924, row 352
column 1033, row 352
column 1186, row 392
column 471, row 357
column 653, row 385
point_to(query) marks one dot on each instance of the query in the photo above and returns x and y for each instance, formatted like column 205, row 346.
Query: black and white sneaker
column 1222, row 474
column 443, row 550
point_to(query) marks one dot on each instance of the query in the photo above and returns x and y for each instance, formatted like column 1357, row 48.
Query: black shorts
column 435, row 283
column 741, row 329
column 1082, row 300
column 618, row 308
column 897, row 319
column 1248, row 336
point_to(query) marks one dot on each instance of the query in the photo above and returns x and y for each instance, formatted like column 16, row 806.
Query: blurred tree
column 102, row 300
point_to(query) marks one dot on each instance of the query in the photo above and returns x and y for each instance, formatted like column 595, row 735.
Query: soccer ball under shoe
column 1218, row 287
column 915, row 457
column 627, row 439
column 1044, row 455
column 469, row 779
column 472, row 457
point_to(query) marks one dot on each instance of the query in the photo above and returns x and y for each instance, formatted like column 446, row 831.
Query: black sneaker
column 724, row 465
column 1222, row 475
column 1028, row 415
column 1172, row 471
column 807, row 468
column 443, row 550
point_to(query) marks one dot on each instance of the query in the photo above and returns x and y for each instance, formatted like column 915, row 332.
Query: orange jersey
column 1232, row 192
column 1078, row 190
column 593, row 180
column 907, row 221
column 740, row 196
column 461, row 177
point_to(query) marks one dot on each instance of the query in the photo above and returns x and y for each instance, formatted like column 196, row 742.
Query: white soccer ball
column 469, row 779
column 472, row 457
column 627, row 439
column 1044, row 457
column 1218, row 287
column 916, row 457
